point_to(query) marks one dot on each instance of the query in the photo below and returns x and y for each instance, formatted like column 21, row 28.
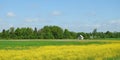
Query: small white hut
column 80, row 37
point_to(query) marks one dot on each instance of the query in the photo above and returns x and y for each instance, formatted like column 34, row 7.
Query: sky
column 75, row 15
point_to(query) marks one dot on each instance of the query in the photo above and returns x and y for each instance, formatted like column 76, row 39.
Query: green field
column 26, row 43
column 59, row 49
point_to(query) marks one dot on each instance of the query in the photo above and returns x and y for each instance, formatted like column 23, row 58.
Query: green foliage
column 7, row 44
column 46, row 33
column 67, row 34
column 53, row 32
column 94, row 33
column 57, row 32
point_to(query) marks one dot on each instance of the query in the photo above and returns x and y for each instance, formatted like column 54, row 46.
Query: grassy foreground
column 60, row 50
column 25, row 44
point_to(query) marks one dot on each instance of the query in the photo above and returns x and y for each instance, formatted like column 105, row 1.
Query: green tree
column 73, row 35
column 67, row 34
column 57, row 32
column 18, row 33
column 94, row 33
column 109, row 34
column 12, row 32
column 5, row 34
column 35, row 36
column 46, row 33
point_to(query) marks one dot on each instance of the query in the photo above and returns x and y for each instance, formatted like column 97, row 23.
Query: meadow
column 59, row 49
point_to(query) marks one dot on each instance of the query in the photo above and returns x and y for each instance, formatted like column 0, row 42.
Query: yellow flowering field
column 65, row 52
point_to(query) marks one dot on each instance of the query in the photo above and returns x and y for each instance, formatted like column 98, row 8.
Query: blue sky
column 75, row 15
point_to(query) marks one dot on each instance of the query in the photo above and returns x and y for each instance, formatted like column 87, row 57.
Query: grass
column 59, row 49
column 24, row 44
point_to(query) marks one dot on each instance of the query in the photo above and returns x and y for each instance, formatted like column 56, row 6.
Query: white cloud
column 115, row 21
column 10, row 25
column 97, row 26
column 11, row 14
column 56, row 13
column 91, row 25
column 31, row 19
column 36, row 20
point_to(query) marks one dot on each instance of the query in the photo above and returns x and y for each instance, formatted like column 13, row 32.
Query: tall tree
column 12, row 32
column 46, row 33
column 35, row 33
column 109, row 34
column 67, row 34
column 94, row 33
column 57, row 32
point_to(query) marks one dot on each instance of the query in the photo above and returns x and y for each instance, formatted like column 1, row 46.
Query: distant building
column 80, row 37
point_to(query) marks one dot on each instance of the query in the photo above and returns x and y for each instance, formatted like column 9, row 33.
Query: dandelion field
column 60, row 50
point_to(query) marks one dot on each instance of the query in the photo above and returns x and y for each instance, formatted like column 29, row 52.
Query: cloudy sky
column 75, row 15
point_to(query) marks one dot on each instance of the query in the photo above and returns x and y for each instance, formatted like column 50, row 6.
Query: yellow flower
column 70, row 52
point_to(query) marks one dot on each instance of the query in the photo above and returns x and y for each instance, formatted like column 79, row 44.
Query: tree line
column 53, row 32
